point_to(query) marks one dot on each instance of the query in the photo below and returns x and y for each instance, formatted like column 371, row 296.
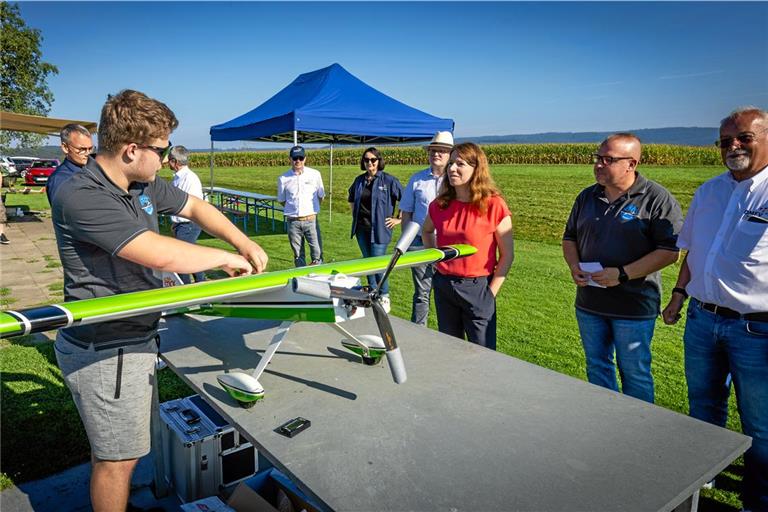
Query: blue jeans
column 716, row 347
column 422, row 288
column 630, row 339
column 188, row 232
column 298, row 231
column 369, row 248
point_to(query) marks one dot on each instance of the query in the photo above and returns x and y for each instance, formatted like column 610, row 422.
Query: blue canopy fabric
column 331, row 105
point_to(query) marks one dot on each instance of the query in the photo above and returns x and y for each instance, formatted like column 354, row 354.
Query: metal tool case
column 201, row 451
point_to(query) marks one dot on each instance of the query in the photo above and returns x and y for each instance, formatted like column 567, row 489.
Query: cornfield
column 653, row 154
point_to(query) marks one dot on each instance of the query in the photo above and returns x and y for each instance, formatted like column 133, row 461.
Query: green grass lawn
column 535, row 308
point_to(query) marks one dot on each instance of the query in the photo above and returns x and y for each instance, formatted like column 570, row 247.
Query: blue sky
column 495, row 68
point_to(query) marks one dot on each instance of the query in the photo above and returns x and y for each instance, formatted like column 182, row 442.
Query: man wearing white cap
column 300, row 191
column 421, row 190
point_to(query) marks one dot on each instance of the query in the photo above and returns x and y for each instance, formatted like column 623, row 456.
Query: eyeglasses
column 608, row 160
column 161, row 152
column 79, row 151
column 370, row 160
column 743, row 138
column 297, row 158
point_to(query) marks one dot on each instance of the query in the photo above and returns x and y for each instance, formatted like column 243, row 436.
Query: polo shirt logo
column 146, row 204
column 629, row 212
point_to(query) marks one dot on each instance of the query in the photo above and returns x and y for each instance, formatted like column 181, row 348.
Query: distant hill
column 681, row 136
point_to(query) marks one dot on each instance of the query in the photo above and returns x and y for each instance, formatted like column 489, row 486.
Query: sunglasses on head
column 370, row 160
column 161, row 152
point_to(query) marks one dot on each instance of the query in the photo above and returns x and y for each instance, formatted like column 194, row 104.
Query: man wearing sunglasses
column 300, row 190
column 725, row 273
column 77, row 145
column 621, row 232
column 105, row 218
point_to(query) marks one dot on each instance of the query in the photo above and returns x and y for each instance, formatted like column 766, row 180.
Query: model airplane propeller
column 328, row 293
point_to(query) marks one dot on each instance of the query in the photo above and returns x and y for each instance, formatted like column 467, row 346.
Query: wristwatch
column 623, row 277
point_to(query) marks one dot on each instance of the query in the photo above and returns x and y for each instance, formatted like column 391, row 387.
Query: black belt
column 729, row 313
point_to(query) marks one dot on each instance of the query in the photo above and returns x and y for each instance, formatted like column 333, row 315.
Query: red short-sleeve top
column 462, row 223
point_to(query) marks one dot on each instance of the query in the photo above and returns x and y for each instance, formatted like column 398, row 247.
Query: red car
column 38, row 172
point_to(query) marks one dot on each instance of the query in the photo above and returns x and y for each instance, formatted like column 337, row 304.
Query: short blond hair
column 132, row 116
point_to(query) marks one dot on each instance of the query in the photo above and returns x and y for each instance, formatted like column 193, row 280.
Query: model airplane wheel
column 371, row 361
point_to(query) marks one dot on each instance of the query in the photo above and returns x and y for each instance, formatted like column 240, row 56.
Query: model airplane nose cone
column 242, row 387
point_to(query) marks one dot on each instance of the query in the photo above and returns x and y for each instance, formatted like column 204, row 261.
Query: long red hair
column 481, row 185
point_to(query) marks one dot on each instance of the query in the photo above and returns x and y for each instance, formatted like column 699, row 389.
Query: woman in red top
column 470, row 210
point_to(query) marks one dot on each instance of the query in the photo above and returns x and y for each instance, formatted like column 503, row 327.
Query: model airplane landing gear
column 246, row 388
column 371, row 348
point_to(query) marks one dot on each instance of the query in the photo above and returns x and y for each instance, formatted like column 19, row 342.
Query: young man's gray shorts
column 112, row 389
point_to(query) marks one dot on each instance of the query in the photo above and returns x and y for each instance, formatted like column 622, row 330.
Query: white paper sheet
column 591, row 267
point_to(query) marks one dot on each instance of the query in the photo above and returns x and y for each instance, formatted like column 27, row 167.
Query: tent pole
column 330, row 196
column 295, row 138
column 211, row 187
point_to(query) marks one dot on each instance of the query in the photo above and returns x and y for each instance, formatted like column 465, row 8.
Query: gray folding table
column 470, row 430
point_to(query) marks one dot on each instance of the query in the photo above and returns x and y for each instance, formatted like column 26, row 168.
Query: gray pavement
column 30, row 271
column 30, row 274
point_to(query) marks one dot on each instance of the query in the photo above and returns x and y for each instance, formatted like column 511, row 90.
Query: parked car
column 23, row 163
column 39, row 171
column 8, row 171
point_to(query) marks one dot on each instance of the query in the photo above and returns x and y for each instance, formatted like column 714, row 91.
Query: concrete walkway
column 30, row 271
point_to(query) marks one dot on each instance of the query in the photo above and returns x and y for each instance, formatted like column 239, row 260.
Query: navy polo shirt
column 385, row 193
column 63, row 172
column 94, row 219
column 617, row 233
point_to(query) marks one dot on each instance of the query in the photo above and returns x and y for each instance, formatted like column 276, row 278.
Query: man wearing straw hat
column 421, row 190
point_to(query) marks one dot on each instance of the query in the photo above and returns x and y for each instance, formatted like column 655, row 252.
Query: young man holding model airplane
column 105, row 219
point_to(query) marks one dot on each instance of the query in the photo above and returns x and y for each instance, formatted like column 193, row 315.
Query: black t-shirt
column 644, row 219
column 94, row 219
column 364, row 215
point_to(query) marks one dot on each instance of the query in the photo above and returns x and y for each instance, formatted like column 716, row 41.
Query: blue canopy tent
column 330, row 105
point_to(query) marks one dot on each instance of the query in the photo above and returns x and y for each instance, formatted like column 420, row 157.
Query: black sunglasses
column 297, row 158
column 608, row 160
column 161, row 152
column 370, row 160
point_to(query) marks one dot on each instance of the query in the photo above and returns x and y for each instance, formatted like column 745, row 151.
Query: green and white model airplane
column 329, row 293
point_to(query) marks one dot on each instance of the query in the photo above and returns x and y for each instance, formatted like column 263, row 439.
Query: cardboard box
column 245, row 499
column 209, row 504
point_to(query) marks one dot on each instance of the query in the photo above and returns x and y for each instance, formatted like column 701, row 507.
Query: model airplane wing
column 103, row 309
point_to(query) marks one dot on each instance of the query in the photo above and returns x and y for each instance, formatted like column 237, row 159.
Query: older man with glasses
column 300, row 190
column 422, row 188
column 725, row 272
column 77, row 145
column 621, row 232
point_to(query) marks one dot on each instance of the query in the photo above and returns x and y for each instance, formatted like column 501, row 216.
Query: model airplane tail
column 103, row 309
